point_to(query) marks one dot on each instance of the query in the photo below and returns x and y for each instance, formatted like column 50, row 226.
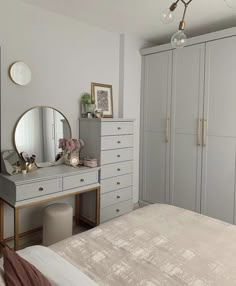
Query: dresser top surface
column 47, row 173
column 108, row 119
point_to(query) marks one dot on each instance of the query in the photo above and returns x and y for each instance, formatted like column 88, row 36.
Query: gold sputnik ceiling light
column 179, row 39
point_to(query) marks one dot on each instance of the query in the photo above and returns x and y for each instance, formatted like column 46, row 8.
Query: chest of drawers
column 111, row 142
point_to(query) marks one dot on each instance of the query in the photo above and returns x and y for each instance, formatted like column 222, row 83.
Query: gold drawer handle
column 118, row 169
column 40, row 189
column 117, row 210
column 118, row 197
column 81, row 180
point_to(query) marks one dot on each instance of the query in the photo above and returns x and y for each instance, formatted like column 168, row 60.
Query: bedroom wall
column 65, row 56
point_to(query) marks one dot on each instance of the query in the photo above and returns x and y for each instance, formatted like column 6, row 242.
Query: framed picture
column 102, row 97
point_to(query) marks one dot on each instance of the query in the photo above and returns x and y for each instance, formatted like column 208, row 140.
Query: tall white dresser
column 111, row 142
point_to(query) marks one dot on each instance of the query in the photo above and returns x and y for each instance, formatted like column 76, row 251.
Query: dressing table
column 46, row 184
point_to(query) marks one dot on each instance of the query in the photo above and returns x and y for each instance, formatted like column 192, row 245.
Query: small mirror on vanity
column 38, row 132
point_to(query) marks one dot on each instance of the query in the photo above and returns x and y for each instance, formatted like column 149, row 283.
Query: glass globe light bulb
column 179, row 39
column 231, row 3
column 167, row 16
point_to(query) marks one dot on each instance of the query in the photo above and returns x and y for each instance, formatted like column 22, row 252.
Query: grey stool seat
column 57, row 223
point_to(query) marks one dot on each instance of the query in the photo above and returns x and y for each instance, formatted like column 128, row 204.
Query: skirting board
column 143, row 204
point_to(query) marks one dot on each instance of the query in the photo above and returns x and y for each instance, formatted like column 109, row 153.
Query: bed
column 155, row 245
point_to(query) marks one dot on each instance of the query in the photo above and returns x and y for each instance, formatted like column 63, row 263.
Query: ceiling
column 142, row 17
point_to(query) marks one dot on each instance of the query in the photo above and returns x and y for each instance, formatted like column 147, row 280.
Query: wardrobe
column 188, row 127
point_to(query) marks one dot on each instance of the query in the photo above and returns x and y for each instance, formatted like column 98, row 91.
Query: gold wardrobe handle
column 199, row 132
column 167, row 129
column 204, row 131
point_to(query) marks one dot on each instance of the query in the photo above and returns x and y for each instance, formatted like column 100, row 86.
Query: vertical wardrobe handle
column 167, row 129
column 204, row 131
column 199, row 132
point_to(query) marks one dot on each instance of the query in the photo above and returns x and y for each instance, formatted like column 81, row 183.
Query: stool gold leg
column 16, row 229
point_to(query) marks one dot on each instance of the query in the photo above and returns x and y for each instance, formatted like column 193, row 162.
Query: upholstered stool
column 57, row 223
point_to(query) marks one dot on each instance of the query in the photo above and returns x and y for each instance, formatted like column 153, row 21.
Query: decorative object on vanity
column 111, row 142
column 70, row 150
column 90, row 162
column 98, row 113
column 87, row 105
column 11, row 162
column 179, row 39
column 102, row 97
column 20, row 73
column 38, row 131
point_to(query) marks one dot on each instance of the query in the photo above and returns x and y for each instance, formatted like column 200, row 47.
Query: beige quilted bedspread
column 156, row 245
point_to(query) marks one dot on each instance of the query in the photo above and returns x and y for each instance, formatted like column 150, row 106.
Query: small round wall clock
column 20, row 73
column 74, row 161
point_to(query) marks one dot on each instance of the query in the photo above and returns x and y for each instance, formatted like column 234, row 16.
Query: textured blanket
column 156, row 245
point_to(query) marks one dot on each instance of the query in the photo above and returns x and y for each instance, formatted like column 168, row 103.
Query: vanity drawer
column 116, row 183
column 116, row 210
column 118, row 169
column 118, row 155
column 114, row 142
column 28, row 191
column 115, row 197
column 81, row 180
column 116, row 128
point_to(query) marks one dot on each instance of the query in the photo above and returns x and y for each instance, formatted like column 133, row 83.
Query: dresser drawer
column 81, row 180
column 117, row 169
column 118, row 155
column 28, row 191
column 116, row 128
column 116, row 210
column 114, row 142
column 115, row 197
column 116, row 183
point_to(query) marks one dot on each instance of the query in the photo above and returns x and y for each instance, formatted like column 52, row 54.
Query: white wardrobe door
column 156, row 110
column 187, row 109
column 218, row 195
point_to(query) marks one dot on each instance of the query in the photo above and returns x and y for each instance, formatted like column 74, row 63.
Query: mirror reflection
column 38, row 132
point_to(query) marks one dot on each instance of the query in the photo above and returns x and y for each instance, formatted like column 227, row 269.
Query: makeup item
column 90, row 162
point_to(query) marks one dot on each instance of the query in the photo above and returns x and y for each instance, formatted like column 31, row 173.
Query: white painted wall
column 132, row 94
column 65, row 56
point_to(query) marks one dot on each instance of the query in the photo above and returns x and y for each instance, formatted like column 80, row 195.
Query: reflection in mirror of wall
column 20, row 73
column 38, row 132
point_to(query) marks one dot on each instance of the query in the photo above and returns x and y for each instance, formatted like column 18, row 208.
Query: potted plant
column 87, row 104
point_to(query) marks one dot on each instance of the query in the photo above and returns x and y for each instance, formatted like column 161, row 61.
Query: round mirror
column 38, row 132
column 20, row 73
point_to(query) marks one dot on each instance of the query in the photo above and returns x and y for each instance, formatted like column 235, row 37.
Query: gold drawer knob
column 81, row 180
column 119, row 128
column 40, row 189
column 118, row 183
column 117, row 210
column 118, row 142
column 118, row 156
column 118, row 169
column 118, row 197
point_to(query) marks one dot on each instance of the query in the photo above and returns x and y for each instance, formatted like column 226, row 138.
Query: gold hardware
column 199, row 132
column 167, row 129
column 204, row 131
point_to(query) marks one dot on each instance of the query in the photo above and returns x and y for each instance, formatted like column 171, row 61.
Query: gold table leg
column 16, row 229
column 1, row 220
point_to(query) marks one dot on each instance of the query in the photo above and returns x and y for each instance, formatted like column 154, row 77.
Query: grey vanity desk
column 44, row 185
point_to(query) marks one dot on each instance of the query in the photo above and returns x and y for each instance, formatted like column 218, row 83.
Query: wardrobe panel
column 218, row 181
column 187, row 111
column 154, row 168
column 155, row 136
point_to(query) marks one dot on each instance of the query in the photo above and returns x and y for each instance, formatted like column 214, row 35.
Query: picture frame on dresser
column 102, row 98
